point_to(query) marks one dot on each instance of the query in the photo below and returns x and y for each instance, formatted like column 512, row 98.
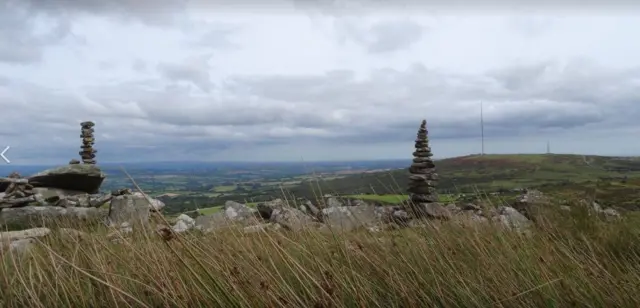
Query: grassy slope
column 568, row 261
column 555, row 173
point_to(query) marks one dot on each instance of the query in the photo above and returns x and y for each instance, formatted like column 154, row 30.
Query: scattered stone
column 24, row 234
column 184, row 223
column 125, row 227
column 436, row 210
column 333, row 202
column 423, row 179
column 237, row 211
column 291, row 218
column 400, row 217
column 530, row 202
column 212, row 222
column 74, row 162
column 17, row 191
column 610, row 212
column 265, row 209
column 5, row 185
column 87, row 152
column 348, row 218
column 23, row 246
column 32, row 216
column 133, row 209
column 512, row 219
column 234, row 213
column 155, row 205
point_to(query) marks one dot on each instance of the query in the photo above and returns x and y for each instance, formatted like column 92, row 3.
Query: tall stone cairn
column 87, row 152
column 423, row 179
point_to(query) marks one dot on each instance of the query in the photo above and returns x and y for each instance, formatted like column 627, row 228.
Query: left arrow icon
column 4, row 152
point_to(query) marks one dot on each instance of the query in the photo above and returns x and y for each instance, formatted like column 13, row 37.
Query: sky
column 293, row 80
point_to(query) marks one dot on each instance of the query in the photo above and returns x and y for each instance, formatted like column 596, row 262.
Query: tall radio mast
column 482, row 128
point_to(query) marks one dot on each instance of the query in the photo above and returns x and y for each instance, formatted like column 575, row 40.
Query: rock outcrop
column 69, row 193
column 33, row 216
column 277, row 214
column 130, row 209
column 184, row 223
column 234, row 213
column 87, row 152
column 85, row 178
column 423, row 179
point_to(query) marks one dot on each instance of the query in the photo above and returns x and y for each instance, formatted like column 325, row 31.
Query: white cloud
column 185, row 83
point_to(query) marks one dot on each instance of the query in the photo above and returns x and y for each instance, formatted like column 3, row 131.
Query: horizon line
column 306, row 161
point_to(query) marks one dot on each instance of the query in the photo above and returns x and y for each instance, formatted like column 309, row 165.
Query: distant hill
column 576, row 173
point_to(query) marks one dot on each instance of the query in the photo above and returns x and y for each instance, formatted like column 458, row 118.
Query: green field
column 568, row 259
column 614, row 181
column 394, row 199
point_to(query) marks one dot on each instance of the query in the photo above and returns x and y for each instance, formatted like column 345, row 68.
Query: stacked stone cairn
column 88, row 153
column 423, row 179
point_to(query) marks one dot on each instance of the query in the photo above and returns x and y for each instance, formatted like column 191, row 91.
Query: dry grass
column 576, row 261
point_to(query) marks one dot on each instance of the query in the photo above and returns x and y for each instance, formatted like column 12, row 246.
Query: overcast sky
column 286, row 82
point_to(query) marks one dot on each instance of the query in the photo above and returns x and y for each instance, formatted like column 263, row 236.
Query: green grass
column 551, row 173
column 221, row 189
column 391, row 199
column 210, row 210
column 394, row 198
column 568, row 261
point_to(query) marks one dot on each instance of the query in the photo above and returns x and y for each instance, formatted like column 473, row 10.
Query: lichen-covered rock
column 84, row 178
column 291, row 218
column 132, row 209
column 348, row 218
column 234, row 213
column 184, row 223
column 155, row 205
column 23, row 234
column 512, row 219
column 238, row 212
column 48, row 193
column 34, row 216
column 266, row 208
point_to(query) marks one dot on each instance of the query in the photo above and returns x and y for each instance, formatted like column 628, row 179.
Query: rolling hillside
column 615, row 179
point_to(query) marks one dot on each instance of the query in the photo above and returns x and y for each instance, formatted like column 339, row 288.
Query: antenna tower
column 482, row 128
column 548, row 147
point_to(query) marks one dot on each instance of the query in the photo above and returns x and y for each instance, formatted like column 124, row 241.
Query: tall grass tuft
column 568, row 260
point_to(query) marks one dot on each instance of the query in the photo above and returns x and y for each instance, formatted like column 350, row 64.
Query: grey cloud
column 563, row 98
column 576, row 81
column 139, row 65
column 19, row 41
column 531, row 26
column 152, row 12
column 195, row 70
column 334, row 108
column 216, row 35
column 383, row 36
column 335, row 104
